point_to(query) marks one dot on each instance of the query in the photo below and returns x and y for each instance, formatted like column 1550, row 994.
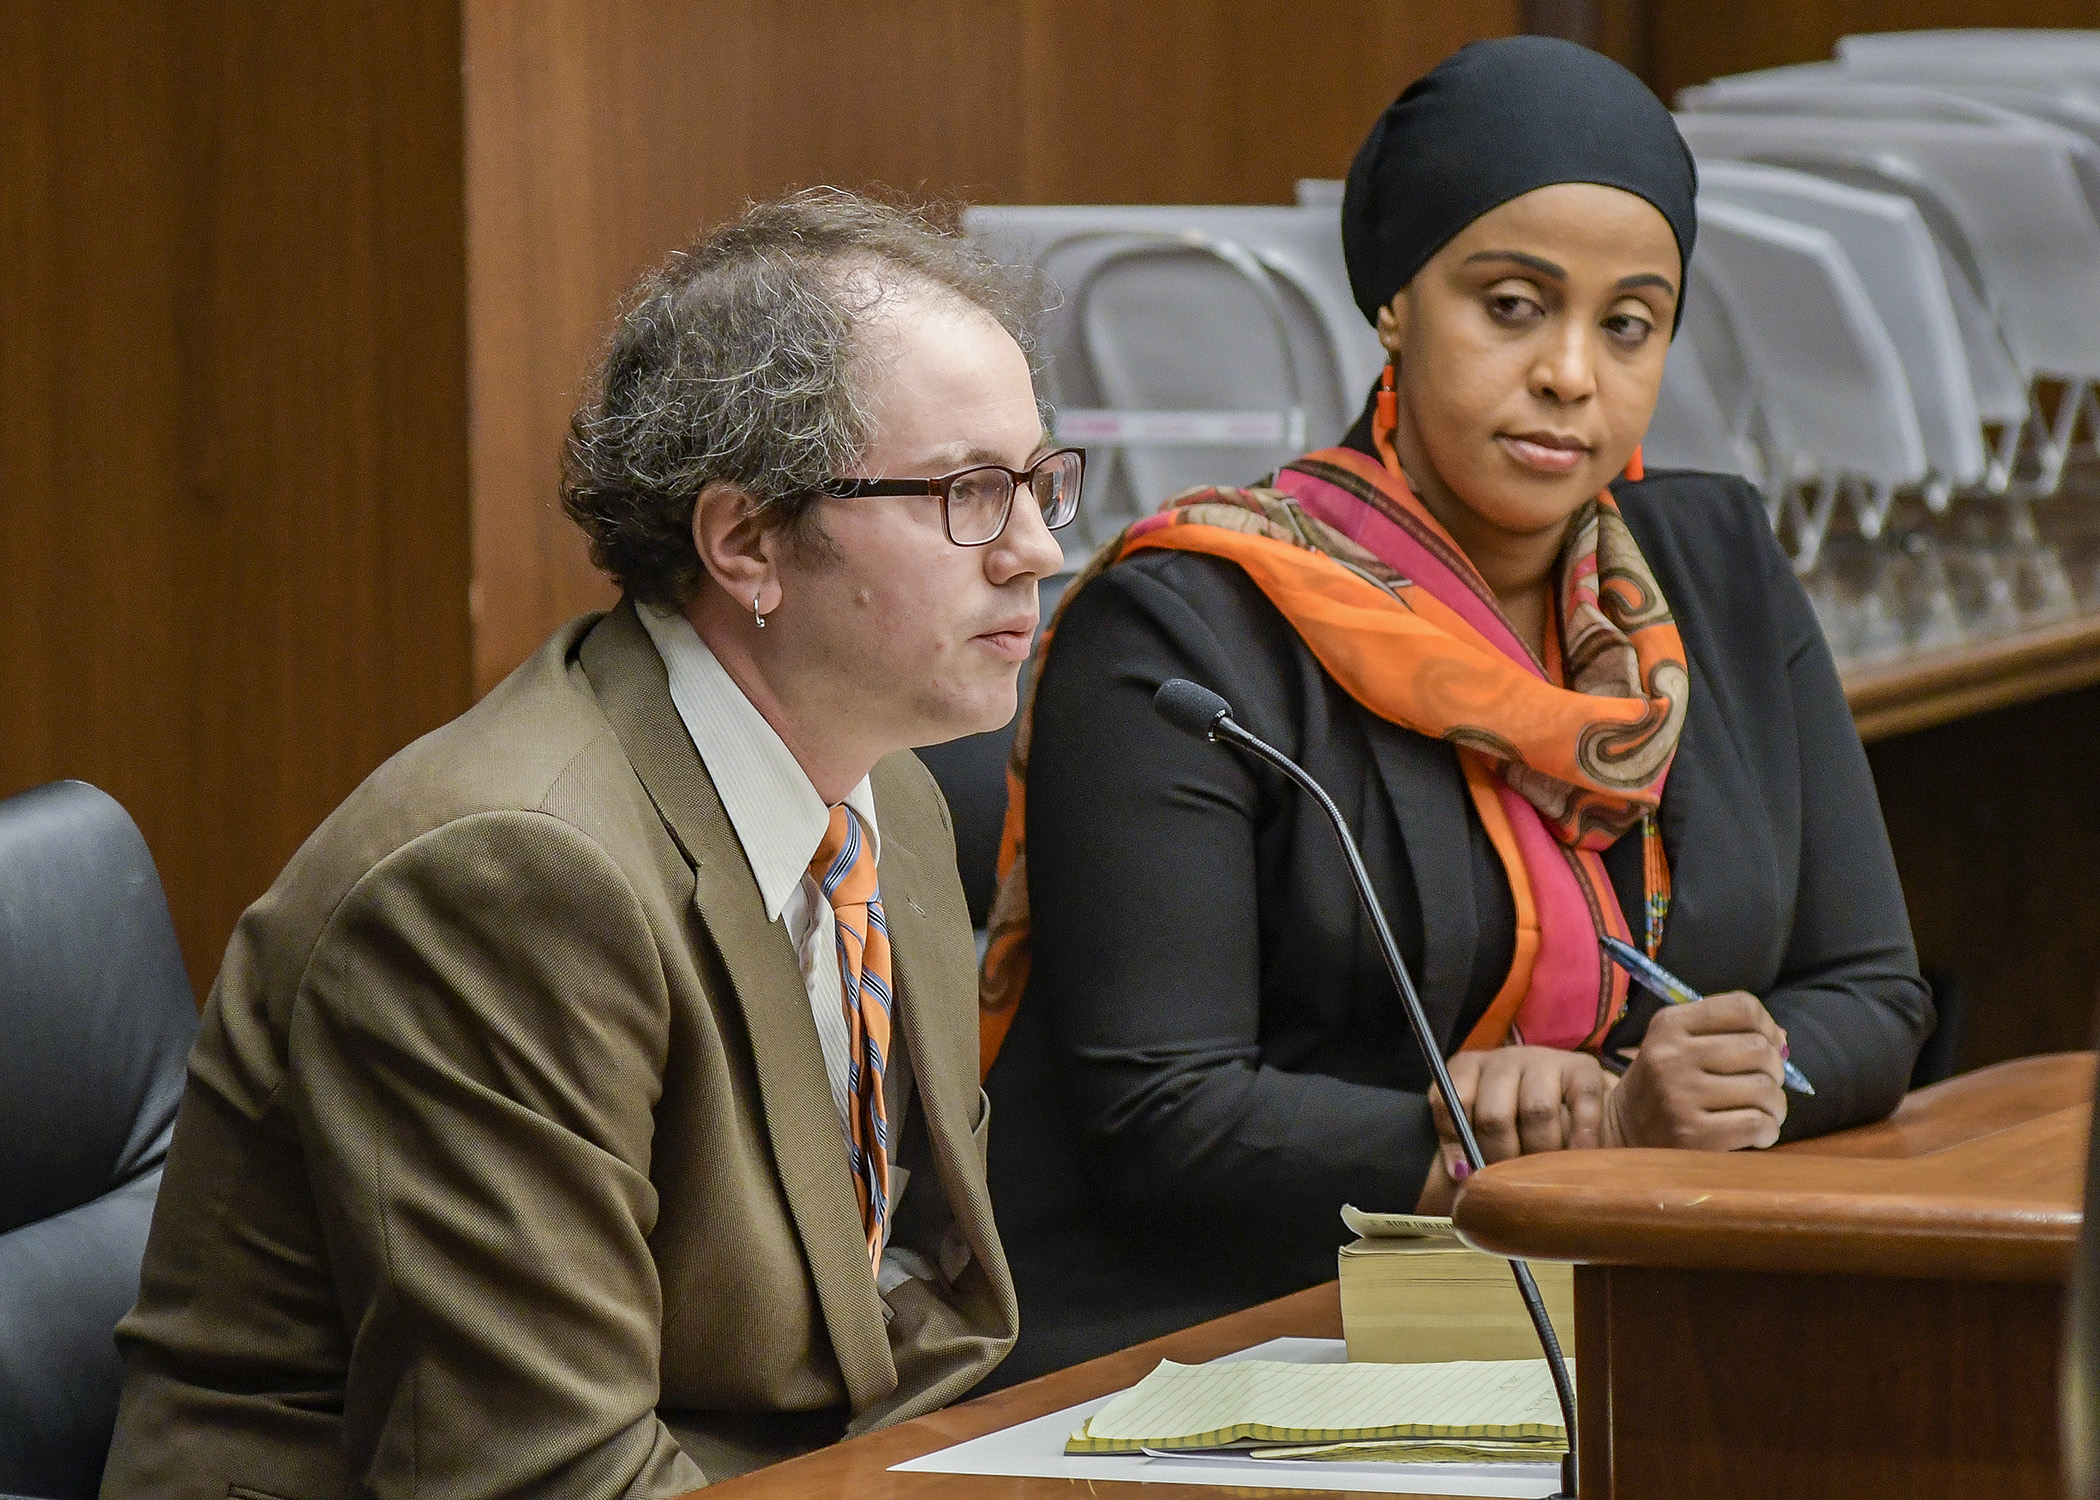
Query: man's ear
column 1392, row 321
column 738, row 550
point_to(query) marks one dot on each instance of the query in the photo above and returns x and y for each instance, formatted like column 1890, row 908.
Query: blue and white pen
column 1660, row 982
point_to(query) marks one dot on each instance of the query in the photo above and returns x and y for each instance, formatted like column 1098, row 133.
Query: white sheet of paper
column 1036, row 1450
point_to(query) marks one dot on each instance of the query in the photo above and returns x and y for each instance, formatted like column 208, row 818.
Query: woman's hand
column 1523, row 1100
column 1707, row 1078
column 1439, row 1192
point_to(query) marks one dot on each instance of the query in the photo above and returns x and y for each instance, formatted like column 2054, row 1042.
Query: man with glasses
column 591, row 1107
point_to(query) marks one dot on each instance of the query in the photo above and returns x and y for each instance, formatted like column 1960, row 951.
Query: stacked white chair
column 1840, row 92
column 2029, row 46
column 1322, row 193
column 1980, row 152
column 1193, row 345
column 2059, row 89
column 1707, row 342
column 1882, row 214
column 2075, row 106
column 1690, row 428
column 1829, row 90
column 1827, row 375
column 1885, row 239
column 2015, row 193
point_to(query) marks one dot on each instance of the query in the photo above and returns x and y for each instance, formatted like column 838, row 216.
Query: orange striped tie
column 844, row 869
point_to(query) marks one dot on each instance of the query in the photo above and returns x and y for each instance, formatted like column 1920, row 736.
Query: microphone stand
column 1177, row 702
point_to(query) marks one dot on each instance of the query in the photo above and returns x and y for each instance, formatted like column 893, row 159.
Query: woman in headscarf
column 1555, row 699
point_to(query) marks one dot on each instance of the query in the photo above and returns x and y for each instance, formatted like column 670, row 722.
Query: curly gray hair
column 740, row 360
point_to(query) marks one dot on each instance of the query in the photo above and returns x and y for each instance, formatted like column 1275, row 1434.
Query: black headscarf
column 1490, row 123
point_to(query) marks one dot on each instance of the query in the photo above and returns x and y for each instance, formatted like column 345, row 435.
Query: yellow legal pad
column 1466, row 1411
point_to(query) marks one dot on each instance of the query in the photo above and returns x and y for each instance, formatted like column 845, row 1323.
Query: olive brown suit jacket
column 508, row 1163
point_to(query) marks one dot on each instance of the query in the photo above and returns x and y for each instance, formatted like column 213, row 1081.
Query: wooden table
column 1874, row 1314
column 1833, row 1318
column 859, row 1467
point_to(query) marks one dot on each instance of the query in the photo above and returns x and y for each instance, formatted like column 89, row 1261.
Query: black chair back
column 972, row 776
column 96, row 1021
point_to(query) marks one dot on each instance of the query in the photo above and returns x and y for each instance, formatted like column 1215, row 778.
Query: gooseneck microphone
column 1198, row 711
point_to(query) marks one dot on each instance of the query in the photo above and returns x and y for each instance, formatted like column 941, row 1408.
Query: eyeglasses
column 976, row 502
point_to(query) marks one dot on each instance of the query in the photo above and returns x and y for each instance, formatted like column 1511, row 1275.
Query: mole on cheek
column 863, row 597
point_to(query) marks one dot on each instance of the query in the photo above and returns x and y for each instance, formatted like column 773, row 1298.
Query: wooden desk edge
column 1610, row 1230
column 1939, row 687
column 1836, row 1208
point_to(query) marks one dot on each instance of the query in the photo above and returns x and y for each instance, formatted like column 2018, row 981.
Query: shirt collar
column 776, row 812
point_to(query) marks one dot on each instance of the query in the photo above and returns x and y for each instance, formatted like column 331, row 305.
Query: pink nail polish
column 1461, row 1170
column 1785, row 1051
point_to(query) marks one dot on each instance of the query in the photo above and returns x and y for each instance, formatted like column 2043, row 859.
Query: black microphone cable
column 1197, row 710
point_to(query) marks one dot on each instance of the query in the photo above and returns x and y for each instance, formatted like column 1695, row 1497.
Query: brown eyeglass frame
column 940, row 484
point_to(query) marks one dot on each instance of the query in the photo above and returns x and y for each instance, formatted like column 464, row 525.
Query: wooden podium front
column 1873, row 1314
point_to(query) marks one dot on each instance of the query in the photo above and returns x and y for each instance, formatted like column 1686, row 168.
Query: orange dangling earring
column 1635, row 471
column 1385, row 420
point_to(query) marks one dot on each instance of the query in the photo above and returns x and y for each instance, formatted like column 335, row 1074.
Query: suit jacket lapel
column 1429, row 800
column 801, row 1120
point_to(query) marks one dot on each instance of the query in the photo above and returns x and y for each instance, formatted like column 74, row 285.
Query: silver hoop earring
column 755, row 612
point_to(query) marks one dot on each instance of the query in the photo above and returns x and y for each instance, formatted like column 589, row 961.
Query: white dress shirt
column 778, row 817
column 780, row 820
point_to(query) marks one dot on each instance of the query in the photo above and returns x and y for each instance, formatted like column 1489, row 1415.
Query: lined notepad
column 1469, row 1411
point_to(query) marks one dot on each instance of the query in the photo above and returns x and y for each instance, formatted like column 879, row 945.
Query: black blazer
column 1211, row 1060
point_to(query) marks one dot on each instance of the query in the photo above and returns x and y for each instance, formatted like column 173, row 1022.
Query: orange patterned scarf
column 1561, row 757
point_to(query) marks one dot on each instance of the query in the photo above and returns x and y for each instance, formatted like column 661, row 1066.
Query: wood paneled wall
column 1674, row 43
column 233, row 543
column 603, row 134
